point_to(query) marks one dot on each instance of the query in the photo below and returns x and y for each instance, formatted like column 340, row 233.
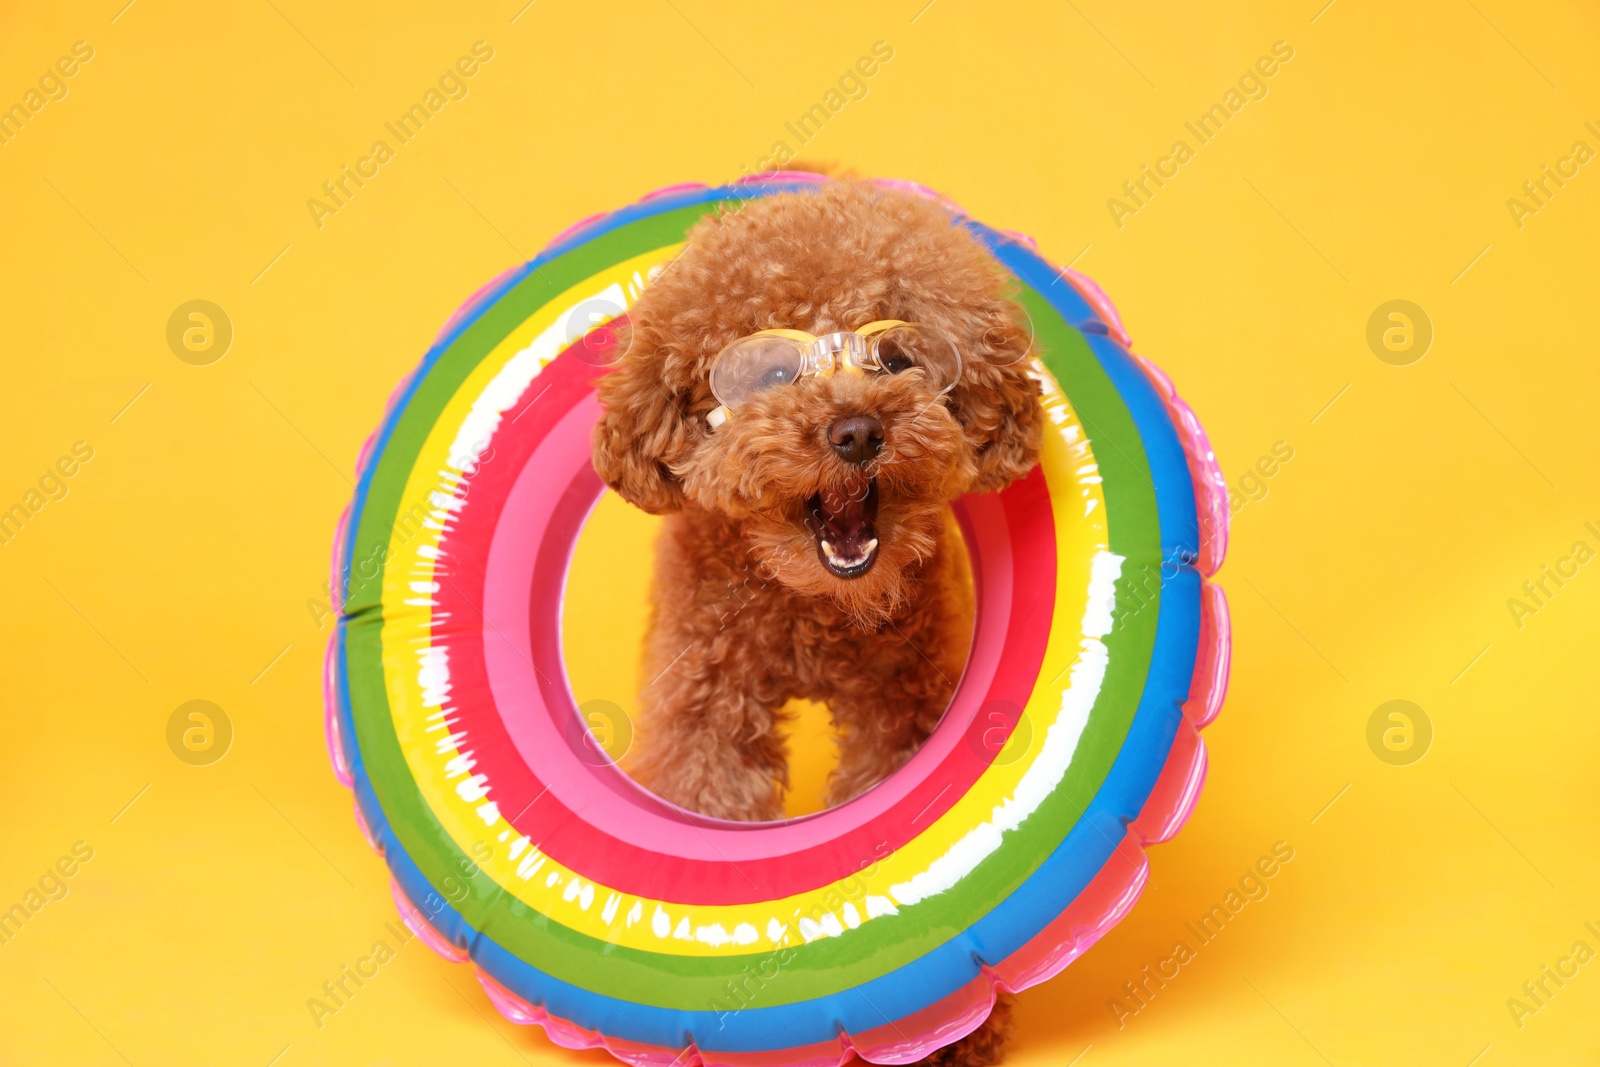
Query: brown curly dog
column 808, row 549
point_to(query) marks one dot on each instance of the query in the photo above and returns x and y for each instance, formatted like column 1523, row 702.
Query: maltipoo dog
column 803, row 393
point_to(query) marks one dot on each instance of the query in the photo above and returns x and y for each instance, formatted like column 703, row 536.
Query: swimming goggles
column 772, row 358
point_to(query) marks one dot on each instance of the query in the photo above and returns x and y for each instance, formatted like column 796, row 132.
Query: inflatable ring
column 1010, row 842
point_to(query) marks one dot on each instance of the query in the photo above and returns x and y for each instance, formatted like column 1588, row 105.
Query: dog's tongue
column 843, row 518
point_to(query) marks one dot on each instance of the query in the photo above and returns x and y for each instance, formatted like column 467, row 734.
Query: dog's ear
column 645, row 428
column 997, row 400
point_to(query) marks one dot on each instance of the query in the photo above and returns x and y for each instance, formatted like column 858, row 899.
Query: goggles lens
column 909, row 346
column 756, row 363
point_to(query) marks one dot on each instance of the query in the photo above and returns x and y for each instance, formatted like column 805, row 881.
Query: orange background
column 187, row 557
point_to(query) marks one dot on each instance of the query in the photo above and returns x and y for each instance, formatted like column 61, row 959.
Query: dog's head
column 839, row 483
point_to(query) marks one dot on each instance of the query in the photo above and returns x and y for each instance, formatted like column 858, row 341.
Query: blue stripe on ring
column 1040, row 899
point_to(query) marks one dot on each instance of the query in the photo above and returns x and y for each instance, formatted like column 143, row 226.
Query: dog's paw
column 981, row 1048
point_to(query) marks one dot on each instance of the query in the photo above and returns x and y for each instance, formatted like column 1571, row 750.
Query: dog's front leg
column 888, row 701
column 706, row 739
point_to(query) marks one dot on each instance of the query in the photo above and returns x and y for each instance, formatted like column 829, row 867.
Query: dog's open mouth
column 843, row 519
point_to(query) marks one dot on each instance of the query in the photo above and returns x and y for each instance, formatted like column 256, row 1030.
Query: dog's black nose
column 857, row 438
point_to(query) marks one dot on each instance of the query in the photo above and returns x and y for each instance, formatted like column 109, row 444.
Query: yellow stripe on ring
column 938, row 856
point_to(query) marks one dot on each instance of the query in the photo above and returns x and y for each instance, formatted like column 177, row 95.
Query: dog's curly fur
column 745, row 615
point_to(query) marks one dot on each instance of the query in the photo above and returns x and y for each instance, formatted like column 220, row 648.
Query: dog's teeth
column 827, row 550
column 870, row 547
